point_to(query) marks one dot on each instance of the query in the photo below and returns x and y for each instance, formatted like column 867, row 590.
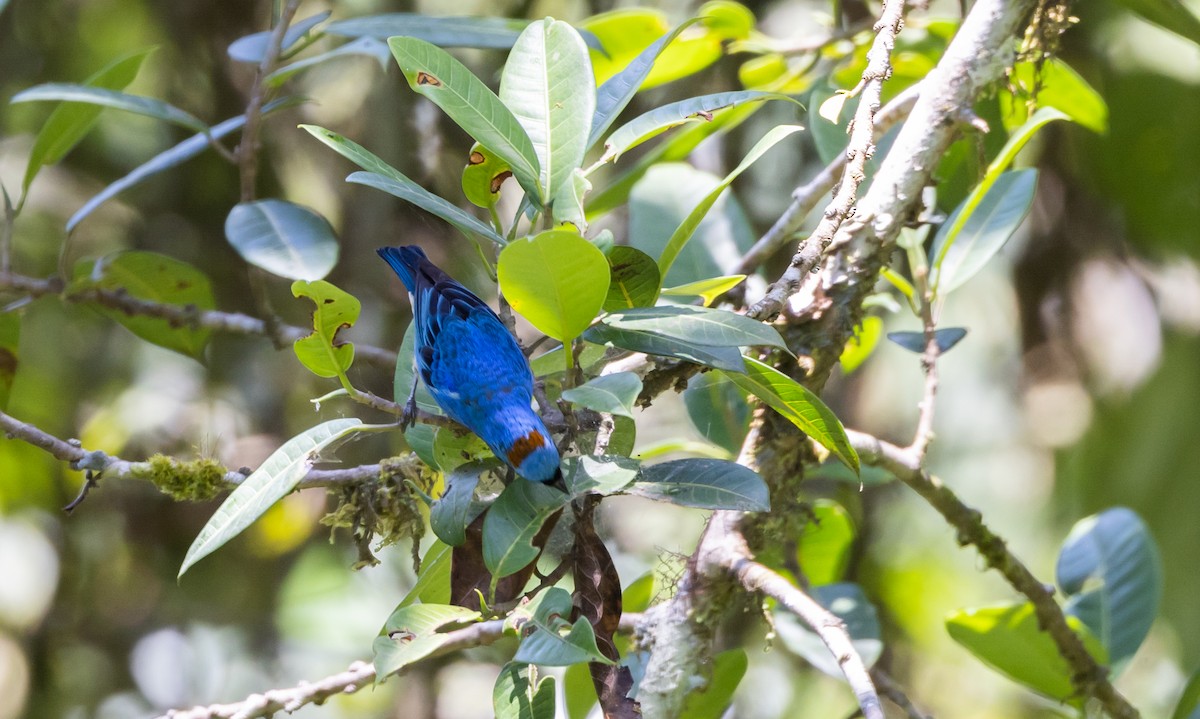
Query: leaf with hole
column 703, row 483
column 557, row 280
column 413, row 633
column 513, row 520
column 483, row 176
column 322, row 352
column 282, row 238
column 612, row 393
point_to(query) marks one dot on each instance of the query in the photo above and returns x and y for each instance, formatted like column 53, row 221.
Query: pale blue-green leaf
column 848, row 602
column 514, row 518
column 613, row 393
column 252, row 48
column 701, row 325
column 1110, row 569
column 282, row 238
column 997, row 216
column 726, row 358
column 718, row 410
column 363, row 46
column 137, row 104
column 268, row 484
column 601, row 475
column 459, row 31
column 516, row 696
column 414, row 632
column 555, row 641
column 703, row 483
column 450, row 515
column 946, row 338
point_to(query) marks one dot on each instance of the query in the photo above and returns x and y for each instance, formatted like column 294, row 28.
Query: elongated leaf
column 433, row 581
column 547, row 84
column 657, row 121
column 458, row 31
column 322, row 352
column 414, row 632
column 634, row 279
column 156, row 278
column 704, row 483
column 995, row 219
column 799, row 406
column 551, row 639
column 713, row 699
column 701, row 325
column 268, row 484
column 823, row 551
column 171, row 157
column 104, row 97
column 1171, row 15
column 519, row 695
column 600, row 475
column 70, row 122
column 557, row 280
column 363, row 47
column 685, row 230
column 283, row 238
column 252, row 48
column 433, row 73
column 650, row 342
column 450, row 514
column 516, row 515
column 10, row 337
column 708, row 290
column 1008, row 638
column 1111, row 570
column 946, row 338
column 848, row 602
column 613, row 393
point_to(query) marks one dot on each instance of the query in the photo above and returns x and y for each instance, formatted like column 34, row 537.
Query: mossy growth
column 193, row 480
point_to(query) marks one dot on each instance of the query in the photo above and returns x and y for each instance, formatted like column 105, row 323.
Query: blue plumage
column 473, row 367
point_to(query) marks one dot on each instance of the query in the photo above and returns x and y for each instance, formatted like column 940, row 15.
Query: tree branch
column 247, row 151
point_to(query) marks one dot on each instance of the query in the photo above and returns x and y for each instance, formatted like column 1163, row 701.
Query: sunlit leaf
column 612, row 393
column 283, row 238
column 362, row 47
column 712, row 699
column 557, row 280
column 579, row 694
column 1171, row 15
column 703, row 483
column 414, row 632
column 512, row 521
column 708, row 290
column 252, row 48
column 550, row 639
column 322, row 352
column 1189, row 702
column 483, row 176
column 433, row 581
column 268, row 484
column 946, row 338
column 455, row 31
column 859, row 347
column 518, row 694
column 1059, row 86
column 454, row 447
column 115, row 99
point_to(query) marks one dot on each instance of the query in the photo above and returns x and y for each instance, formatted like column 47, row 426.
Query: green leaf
column 433, row 73
column 547, row 84
column 173, row 156
column 995, row 218
column 276, row 478
column 71, row 122
column 550, row 639
column 1009, row 640
column 579, row 694
column 363, row 46
column 454, row 447
column 718, row 410
column 322, row 352
column 252, row 48
column 945, row 338
column 557, row 280
column 654, row 343
column 685, row 230
column 1171, row 15
column 518, row 694
column 1189, row 702
column 483, row 177
column 713, row 699
column 383, row 176
column 859, row 347
column 704, row 483
column 708, row 290
column 450, row 514
column 847, row 601
column 696, row 109
column 683, row 446
column 155, row 278
column 823, row 551
column 148, row 106
column 282, row 238
column 414, row 632
column 433, row 581
column 10, row 336
column 701, row 325
column 512, row 521
column 829, row 134
column 600, row 475
column 612, row 393
column 457, row 31
column 1110, row 569
column 1059, row 86
column 799, row 406
column 634, row 279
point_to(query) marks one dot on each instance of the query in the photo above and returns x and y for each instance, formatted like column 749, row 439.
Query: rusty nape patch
column 525, row 446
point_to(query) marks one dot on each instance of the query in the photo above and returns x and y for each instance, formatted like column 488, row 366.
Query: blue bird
column 473, row 367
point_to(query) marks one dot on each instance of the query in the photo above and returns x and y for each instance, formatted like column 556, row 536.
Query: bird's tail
column 404, row 260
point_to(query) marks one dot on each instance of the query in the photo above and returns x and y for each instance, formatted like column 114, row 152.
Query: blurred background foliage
column 1077, row 389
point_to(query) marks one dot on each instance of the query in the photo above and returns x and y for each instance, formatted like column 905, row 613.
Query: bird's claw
column 409, row 417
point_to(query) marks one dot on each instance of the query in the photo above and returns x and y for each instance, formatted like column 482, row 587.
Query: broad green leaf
column 848, row 602
column 483, row 177
column 713, row 699
column 1110, row 569
column 454, row 447
column 945, row 338
column 634, row 279
column 10, row 336
column 104, row 97
column 552, row 361
column 600, row 475
column 700, row 325
column 457, row 31
column 362, row 47
column 512, row 521
column 173, row 156
column 612, row 393
column 433, row 73
column 823, row 551
column 859, row 347
column 557, row 280
column 550, row 639
column 433, row 581
column 579, row 694
column 519, row 695
column 383, row 176
column 451, row 513
column 414, row 632
column 155, row 278
column 708, row 290
column 703, row 483
column 651, row 342
column 1059, row 86
column 71, row 122
column 696, row 109
column 282, row 238
column 547, row 84
column 268, row 484
column 624, row 436
column 685, row 230
column 322, row 352
column 1009, row 640
column 799, row 406
column 1189, row 702
column 718, row 410
column 1173, row 15
column 252, row 48
column 996, row 217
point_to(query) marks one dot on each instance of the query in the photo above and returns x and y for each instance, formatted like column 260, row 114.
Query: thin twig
column 895, row 694
column 248, row 147
column 924, row 433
